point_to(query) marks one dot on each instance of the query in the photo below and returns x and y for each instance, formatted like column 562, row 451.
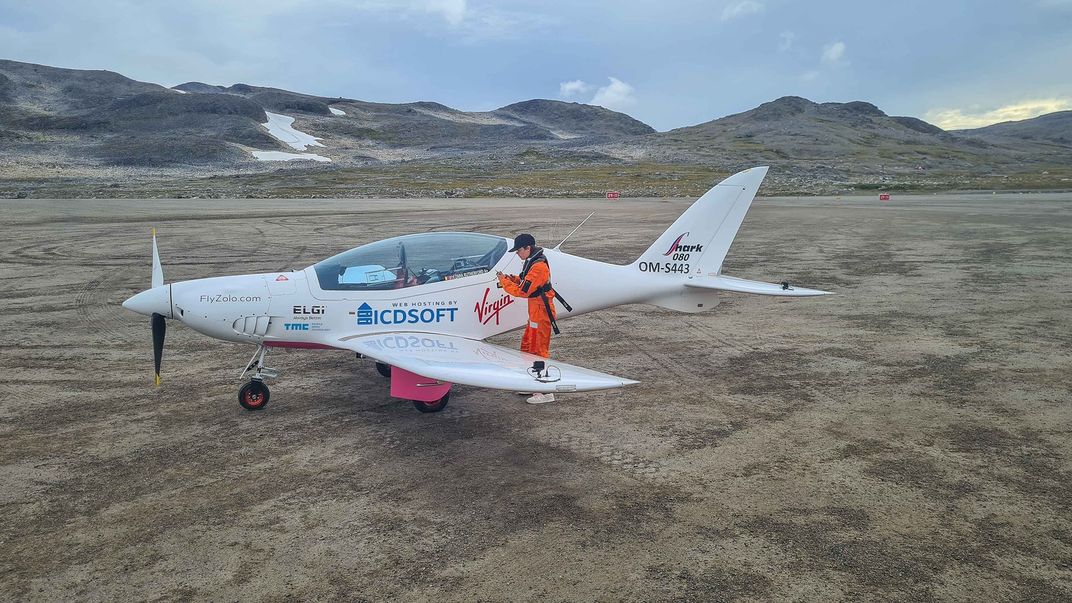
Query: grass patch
column 530, row 173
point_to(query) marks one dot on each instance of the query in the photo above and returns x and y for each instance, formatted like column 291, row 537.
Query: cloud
column 959, row 119
column 452, row 11
column 741, row 9
column 833, row 53
column 464, row 22
column 573, row 88
column 787, row 38
column 616, row 95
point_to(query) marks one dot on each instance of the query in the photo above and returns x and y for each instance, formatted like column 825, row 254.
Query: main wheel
column 253, row 395
column 384, row 369
column 434, row 405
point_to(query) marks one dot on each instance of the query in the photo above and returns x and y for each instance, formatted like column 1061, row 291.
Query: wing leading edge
column 478, row 363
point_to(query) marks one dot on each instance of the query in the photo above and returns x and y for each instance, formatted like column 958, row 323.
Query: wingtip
column 752, row 176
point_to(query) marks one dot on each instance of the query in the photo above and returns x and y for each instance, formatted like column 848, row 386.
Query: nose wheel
column 253, row 395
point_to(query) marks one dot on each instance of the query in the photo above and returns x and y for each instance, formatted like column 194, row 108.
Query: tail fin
column 698, row 241
column 682, row 270
column 688, row 256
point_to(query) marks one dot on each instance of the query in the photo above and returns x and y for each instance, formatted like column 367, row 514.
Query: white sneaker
column 541, row 399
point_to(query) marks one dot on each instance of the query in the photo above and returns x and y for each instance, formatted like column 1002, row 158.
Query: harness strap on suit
column 541, row 292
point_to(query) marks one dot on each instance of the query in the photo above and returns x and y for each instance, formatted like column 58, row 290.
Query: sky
column 668, row 63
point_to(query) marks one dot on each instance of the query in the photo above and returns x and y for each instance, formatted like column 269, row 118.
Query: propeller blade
column 158, row 271
column 159, row 328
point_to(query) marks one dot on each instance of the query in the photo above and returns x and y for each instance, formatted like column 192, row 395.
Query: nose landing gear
column 427, row 396
column 254, row 395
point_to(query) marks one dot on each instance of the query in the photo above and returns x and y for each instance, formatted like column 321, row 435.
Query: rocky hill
column 93, row 119
column 1053, row 127
column 854, row 137
column 51, row 90
column 574, row 120
column 98, row 126
column 273, row 99
column 99, row 118
column 383, row 131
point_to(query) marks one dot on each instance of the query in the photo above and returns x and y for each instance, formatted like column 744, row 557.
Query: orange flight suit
column 537, row 337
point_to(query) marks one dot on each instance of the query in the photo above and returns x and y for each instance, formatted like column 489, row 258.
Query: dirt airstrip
column 906, row 439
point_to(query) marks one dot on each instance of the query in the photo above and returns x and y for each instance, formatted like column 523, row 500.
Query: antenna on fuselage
column 573, row 231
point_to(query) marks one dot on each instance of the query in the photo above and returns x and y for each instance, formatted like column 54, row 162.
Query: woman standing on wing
column 533, row 283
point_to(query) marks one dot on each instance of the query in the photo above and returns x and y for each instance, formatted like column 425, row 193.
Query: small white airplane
column 421, row 305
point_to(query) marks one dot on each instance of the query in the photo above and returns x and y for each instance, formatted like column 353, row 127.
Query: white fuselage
column 290, row 309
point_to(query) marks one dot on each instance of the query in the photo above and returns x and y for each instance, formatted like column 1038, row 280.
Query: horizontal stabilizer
column 740, row 285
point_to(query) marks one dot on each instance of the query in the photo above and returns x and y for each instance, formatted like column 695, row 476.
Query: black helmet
column 523, row 240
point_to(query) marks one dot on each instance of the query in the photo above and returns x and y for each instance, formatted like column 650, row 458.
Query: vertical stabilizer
column 698, row 241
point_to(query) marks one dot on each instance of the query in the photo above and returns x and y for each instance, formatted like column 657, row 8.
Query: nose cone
column 151, row 301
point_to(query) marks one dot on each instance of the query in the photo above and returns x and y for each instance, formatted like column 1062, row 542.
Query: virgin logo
column 485, row 310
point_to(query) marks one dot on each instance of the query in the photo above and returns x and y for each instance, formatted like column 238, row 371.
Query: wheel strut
column 254, row 394
column 256, row 364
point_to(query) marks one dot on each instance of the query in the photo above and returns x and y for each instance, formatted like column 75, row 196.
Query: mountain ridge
column 1054, row 127
column 56, row 121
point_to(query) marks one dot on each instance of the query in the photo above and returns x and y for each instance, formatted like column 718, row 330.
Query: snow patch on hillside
column 335, row 111
column 281, row 128
column 281, row 156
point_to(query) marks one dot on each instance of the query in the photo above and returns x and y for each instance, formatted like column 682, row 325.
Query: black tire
column 253, row 395
column 384, row 369
column 433, row 406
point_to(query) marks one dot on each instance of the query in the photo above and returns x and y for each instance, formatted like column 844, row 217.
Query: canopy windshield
column 411, row 260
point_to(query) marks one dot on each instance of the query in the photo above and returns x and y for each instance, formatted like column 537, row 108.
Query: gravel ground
column 906, row 439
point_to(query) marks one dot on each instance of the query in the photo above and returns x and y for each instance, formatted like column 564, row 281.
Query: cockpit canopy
column 411, row 260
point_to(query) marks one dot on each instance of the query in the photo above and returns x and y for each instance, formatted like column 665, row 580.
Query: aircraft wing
column 455, row 359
